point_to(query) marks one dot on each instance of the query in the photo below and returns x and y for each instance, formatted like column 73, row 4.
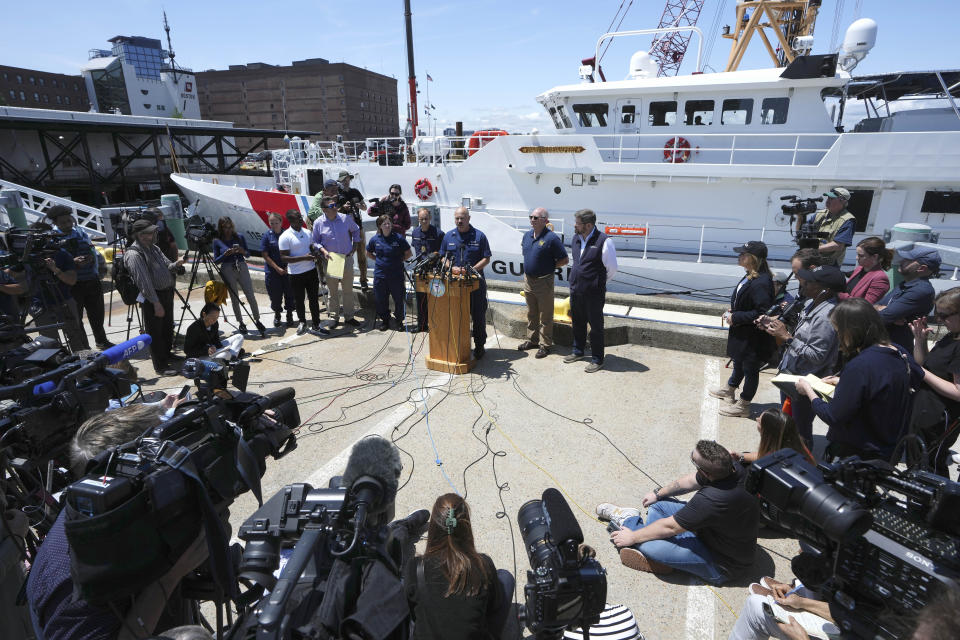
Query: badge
column 437, row 288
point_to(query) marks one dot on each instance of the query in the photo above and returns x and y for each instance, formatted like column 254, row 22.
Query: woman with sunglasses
column 230, row 253
column 388, row 249
column 936, row 403
column 392, row 205
column 869, row 280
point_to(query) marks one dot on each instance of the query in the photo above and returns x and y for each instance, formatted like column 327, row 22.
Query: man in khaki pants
column 543, row 254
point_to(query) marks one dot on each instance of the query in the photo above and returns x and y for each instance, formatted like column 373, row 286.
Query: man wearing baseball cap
column 837, row 223
column 914, row 297
column 331, row 189
column 353, row 197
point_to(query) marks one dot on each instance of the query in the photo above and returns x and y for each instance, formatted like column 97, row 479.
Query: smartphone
column 767, row 609
column 183, row 392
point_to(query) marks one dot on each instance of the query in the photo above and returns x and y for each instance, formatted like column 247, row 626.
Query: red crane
column 668, row 49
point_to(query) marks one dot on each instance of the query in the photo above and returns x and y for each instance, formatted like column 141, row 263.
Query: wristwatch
column 656, row 493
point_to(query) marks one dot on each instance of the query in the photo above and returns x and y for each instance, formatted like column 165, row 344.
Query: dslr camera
column 878, row 543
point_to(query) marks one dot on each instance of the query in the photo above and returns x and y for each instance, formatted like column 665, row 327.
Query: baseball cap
column 344, row 175
column 143, row 225
column 923, row 255
column 330, row 183
column 838, row 192
column 754, row 247
column 781, row 276
column 829, row 276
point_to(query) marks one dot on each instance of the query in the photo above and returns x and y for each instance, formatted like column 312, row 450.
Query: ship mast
column 170, row 53
column 407, row 16
column 788, row 19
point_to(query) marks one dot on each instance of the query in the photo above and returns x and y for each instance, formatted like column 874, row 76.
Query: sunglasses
column 395, row 193
column 329, row 206
column 535, row 217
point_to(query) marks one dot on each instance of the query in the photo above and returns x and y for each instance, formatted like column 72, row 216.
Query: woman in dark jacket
column 389, row 249
column 203, row 335
column 747, row 345
column 455, row 592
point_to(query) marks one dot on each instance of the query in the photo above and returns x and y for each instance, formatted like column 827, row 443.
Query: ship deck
column 503, row 433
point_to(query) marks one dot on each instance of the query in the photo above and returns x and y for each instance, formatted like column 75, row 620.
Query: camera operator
column 10, row 290
column 392, row 205
column 812, row 346
column 353, row 197
column 914, row 297
column 87, row 292
column 838, row 225
column 56, row 614
column 165, row 239
column 456, row 592
column 713, row 536
column 153, row 273
column 52, row 301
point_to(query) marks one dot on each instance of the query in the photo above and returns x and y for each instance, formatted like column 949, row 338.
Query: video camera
column 199, row 234
column 879, row 543
column 122, row 221
column 806, row 236
column 563, row 588
column 30, row 247
column 210, row 375
column 142, row 503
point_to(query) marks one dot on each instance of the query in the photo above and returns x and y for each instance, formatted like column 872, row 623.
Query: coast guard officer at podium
column 466, row 246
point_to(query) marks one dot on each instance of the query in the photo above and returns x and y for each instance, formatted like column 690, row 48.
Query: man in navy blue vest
column 425, row 238
column 468, row 247
column 594, row 264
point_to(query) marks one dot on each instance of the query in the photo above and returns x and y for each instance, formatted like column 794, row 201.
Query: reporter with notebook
column 812, row 348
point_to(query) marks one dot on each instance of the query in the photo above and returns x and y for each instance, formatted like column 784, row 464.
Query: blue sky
column 488, row 59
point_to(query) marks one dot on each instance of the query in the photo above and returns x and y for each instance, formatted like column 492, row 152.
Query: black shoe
column 317, row 330
column 383, row 326
column 542, row 352
column 478, row 352
column 242, row 329
column 290, row 320
column 333, row 324
column 353, row 322
column 364, row 287
column 262, row 329
column 106, row 344
column 169, row 372
column 527, row 345
column 301, row 328
column 277, row 323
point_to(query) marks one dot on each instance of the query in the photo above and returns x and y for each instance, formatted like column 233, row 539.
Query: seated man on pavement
column 712, row 536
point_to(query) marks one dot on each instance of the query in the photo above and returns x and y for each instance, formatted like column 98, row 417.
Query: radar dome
column 860, row 38
column 642, row 66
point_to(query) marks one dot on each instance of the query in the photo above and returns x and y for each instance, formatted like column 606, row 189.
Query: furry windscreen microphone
column 379, row 459
column 563, row 524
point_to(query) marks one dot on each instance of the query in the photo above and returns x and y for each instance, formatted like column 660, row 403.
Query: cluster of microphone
column 442, row 266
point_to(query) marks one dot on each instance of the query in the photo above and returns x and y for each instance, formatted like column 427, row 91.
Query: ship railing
column 388, row 150
column 36, row 204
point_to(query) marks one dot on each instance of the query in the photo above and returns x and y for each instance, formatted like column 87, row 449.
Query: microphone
column 372, row 477
column 124, row 350
column 564, row 529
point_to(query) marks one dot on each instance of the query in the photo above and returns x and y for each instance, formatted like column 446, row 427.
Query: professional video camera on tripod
column 804, row 233
column 878, row 543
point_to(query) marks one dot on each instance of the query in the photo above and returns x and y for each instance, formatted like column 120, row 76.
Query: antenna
column 173, row 66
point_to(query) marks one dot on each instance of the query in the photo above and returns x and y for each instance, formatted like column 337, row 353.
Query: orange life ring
column 480, row 139
column 676, row 150
column 423, row 188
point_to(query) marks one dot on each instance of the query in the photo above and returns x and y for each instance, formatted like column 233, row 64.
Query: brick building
column 42, row 90
column 309, row 95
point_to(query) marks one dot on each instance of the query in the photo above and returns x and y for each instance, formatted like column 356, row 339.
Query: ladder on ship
column 36, row 203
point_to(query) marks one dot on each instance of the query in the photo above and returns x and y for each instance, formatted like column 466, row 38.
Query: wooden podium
column 448, row 305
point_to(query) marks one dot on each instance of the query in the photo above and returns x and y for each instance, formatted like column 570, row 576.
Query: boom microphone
column 372, row 475
column 563, row 524
column 124, row 350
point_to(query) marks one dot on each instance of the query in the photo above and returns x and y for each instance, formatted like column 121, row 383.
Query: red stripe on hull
column 266, row 202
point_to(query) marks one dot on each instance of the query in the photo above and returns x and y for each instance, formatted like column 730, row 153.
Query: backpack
column 215, row 292
column 123, row 281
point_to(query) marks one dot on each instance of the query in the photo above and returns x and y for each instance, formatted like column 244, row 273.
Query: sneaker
column 169, row 372
column 364, row 287
column 478, row 352
column 573, row 357
column 301, row 328
column 739, row 409
column 633, row 559
column 526, row 345
column 542, row 352
column 333, row 324
column 725, row 392
column 593, row 366
column 615, row 514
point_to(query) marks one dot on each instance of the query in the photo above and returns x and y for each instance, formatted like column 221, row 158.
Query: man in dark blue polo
column 914, row 297
column 543, row 254
column 594, row 264
column 468, row 247
column 425, row 238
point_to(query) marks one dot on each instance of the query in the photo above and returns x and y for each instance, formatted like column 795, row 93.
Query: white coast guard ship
column 678, row 169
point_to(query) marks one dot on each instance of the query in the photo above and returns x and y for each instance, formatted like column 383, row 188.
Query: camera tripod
column 52, row 299
column 202, row 256
column 119, row 245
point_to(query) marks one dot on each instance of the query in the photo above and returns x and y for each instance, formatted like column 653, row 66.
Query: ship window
column 737, row 111
column 628, row 114
column 698, row 112
column 940, row 202
column 663, row 113
column 564, row 117
column 774, row 110
column 592, row 115
column 556, row 119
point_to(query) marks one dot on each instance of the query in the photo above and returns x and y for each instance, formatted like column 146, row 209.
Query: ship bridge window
column 698, row 112
column 737, row 111
column 940, row 202
column 774, row 110
column 628, row 113
column 592, row 115
column 662, row 113
column 564, row 117
column 556, row 119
